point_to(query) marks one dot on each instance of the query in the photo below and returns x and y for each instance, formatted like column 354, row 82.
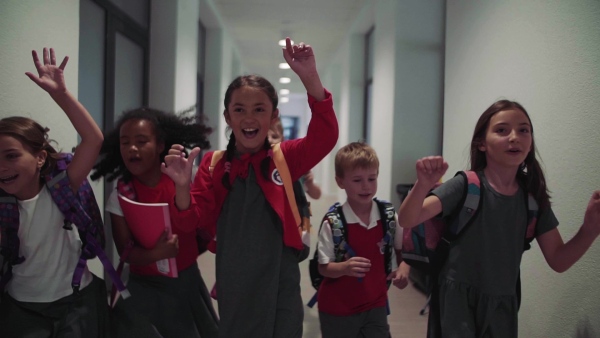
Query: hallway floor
column 404, row 320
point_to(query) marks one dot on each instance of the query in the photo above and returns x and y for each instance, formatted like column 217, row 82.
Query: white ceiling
column 257, row 25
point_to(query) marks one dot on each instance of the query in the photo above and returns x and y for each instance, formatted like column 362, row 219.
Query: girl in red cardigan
column 242, row 200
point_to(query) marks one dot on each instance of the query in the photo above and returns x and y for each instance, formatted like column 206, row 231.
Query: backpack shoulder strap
column 286, row 177
column 532, row 217
column 469, row 205
column 388, row 222
column 126, row 189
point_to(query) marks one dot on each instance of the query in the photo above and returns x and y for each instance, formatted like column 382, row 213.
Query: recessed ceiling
column 257, row 25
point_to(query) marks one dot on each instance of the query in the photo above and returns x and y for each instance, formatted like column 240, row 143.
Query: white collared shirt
column 325, row 246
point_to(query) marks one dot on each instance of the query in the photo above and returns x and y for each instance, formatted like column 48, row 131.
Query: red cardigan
column 301, row 155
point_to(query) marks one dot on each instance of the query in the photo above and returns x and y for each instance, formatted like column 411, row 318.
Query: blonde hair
column 355, row 155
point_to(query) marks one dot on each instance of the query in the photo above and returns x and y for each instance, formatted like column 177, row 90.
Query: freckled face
column 140, row 149
column 19, row 168
column 249, row 115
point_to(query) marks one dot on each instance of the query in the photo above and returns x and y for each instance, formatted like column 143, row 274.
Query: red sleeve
column 204, row 199
column 183, row 220
column 322, row 135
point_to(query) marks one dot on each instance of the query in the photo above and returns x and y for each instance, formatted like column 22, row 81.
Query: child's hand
column 430, row 170
column 591, row 220
column 166, row 247
column 51, row 78
column 357, row 267
column 300, row 57
column 400, row 277
column 177, row 166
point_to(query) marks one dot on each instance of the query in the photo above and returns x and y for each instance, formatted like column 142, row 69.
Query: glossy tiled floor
column 404, row 320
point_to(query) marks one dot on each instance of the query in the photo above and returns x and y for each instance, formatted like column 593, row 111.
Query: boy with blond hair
column 356, row 249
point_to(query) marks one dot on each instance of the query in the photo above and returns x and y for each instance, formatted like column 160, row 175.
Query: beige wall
column 545, row 55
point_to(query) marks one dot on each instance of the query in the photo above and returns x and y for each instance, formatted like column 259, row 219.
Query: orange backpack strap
column 217, row 155
column 286, row 177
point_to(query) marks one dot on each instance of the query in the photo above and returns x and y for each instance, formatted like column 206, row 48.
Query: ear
column 160, row 147
column 41, row 158
column 481, row 146
column 275, row 114
column 340, row 182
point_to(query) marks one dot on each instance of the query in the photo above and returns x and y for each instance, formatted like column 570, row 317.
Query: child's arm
column 399, row 277
column 561, row 256
column 416, row 207
column 355, row 266
column 179, row 169
column 302, row 61
column 165, row 247
column 51, row 79
column 312, row 189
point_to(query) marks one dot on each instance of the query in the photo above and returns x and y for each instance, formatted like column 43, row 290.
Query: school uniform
column 161, row 306
column 258, row 240
column 39, row 299
column 477, row 284
column 350, row 306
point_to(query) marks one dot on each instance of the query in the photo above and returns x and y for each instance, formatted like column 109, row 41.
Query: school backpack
column 291, row 190
column 294, row 191
column 79, row 209
column 342, row 251
column 425, row 247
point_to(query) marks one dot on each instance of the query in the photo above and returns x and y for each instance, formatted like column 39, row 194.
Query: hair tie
column 227, row 167
column 270, row 152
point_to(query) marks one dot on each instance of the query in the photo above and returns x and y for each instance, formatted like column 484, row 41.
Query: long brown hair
column 34, row 138
column 530, row 174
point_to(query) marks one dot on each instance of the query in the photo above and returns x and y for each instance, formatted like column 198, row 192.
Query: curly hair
column 170, row 129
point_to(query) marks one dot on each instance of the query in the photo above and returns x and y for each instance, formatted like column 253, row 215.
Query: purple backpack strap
column 82, row 210
column 9, row 234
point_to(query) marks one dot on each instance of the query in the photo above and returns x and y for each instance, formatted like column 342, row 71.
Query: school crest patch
column 276, row 178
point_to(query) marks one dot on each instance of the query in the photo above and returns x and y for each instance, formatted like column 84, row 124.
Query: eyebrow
column 243, row 105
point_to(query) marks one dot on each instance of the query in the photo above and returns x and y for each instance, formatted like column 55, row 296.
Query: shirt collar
column 351, row 217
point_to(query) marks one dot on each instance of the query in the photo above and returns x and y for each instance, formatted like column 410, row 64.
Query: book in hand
column 147, row 222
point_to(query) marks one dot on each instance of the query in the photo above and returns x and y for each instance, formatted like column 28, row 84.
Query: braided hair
column 169, row 128
column 254, row 81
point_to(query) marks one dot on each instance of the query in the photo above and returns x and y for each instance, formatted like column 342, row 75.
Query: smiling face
column 249, row 114
column 360, row 185
column 508, row 139
column 140, row 150
column 19, row 168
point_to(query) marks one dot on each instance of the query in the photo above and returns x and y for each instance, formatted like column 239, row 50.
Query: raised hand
column 179, row 167
column 50, row 77
column 430, row 170
column 591, row 219
column 300, row 57
column 357, row 267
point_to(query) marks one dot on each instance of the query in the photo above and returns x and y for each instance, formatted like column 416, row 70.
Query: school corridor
column 405, row 320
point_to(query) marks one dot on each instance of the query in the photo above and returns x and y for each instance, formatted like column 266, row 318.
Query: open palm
column 50, row 76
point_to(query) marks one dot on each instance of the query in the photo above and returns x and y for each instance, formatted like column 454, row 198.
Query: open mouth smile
column 8, row 179
column 249, row 132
